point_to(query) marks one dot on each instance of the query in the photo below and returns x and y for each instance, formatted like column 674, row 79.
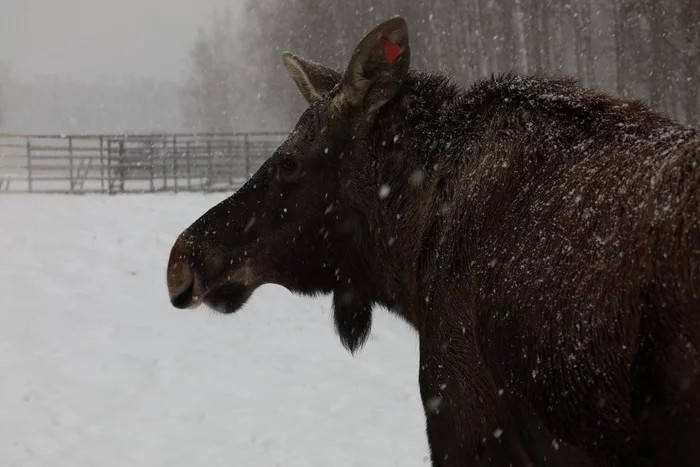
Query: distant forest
column 49, row 104
column 648, row 49
column 235, row 81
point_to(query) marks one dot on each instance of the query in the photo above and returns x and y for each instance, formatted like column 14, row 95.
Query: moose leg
column 467, row 424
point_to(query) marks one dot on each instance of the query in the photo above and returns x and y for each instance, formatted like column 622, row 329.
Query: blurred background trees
column 648, row 49
column 231, row 77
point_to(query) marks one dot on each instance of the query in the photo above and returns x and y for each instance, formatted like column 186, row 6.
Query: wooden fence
column 131, row 162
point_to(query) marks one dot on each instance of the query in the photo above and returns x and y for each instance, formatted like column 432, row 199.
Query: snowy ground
column 96, row 368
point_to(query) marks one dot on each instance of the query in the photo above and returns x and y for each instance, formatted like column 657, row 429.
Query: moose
column 542, row 239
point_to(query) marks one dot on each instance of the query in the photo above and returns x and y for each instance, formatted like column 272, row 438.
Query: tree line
column 648, row 49
column 52, row 104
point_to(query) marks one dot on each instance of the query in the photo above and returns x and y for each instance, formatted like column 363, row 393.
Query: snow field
column 97, row 369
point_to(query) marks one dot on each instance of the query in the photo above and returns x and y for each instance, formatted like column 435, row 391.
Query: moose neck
column 399, row 193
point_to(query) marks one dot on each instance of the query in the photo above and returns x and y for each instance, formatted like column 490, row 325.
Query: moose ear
column 312, row 79
column 377, row 67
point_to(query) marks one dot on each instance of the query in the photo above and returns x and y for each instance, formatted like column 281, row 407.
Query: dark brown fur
column 543, row 240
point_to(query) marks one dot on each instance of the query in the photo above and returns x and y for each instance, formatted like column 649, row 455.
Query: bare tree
column 659, row 81
column 4, row 80
column 2, row 87
column 689, row 51
column 209, row 98
column 581, row 20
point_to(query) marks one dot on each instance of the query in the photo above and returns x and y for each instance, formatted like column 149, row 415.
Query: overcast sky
column 109, row 39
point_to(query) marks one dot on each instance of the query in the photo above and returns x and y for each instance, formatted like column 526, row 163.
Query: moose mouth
column 225, row 298
column 228, row 298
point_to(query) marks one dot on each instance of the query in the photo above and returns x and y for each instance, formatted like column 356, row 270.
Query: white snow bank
column 97, row 369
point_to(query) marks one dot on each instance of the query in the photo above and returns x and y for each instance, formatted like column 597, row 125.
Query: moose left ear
column 312, row 79
column 377, row 67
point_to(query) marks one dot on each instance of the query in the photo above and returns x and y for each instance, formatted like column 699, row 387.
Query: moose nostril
column 183, row 298
column 180, row 276
column 181, row 282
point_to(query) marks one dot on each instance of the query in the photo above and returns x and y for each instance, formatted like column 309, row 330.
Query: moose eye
column 288, row 164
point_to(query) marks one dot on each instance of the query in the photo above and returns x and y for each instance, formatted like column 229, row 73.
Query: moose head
column 307, row 220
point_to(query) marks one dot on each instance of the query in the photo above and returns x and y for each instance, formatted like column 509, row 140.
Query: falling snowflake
column 384, row 191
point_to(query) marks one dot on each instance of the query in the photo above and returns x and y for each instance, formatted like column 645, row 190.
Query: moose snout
column 181, row 276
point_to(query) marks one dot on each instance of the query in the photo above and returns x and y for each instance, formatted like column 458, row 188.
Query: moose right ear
column 312, row 79
column 377, row 67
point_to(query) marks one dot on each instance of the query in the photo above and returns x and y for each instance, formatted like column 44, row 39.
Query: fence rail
column 122, row 163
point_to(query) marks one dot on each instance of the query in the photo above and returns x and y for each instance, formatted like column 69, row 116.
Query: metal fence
column 131, row 162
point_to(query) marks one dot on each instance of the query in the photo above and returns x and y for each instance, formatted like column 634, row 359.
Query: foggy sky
column 101, row 39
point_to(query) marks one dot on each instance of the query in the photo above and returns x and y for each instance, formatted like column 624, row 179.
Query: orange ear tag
column 391, row 50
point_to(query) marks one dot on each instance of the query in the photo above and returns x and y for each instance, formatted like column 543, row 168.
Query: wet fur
column 552, row 252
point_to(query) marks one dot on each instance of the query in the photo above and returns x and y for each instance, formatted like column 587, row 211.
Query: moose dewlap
column 542, row 239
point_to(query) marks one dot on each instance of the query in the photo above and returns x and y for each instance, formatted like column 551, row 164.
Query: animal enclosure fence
column 123, row 163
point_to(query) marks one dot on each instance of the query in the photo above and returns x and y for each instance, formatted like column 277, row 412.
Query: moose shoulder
column 542, row 239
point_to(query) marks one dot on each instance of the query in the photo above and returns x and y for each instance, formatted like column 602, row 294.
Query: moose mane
column 427, row 140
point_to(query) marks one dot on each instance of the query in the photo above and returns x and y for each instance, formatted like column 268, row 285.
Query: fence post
column 231, row 164
column 246, row 154
column 122, row 166
column 70, row 163
column 187, row 162
column 152, row 165
column 175, row 163
column 29, row 165
column 102, row 165
column 210, row 169
column 109, row 167
column 164, row 160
